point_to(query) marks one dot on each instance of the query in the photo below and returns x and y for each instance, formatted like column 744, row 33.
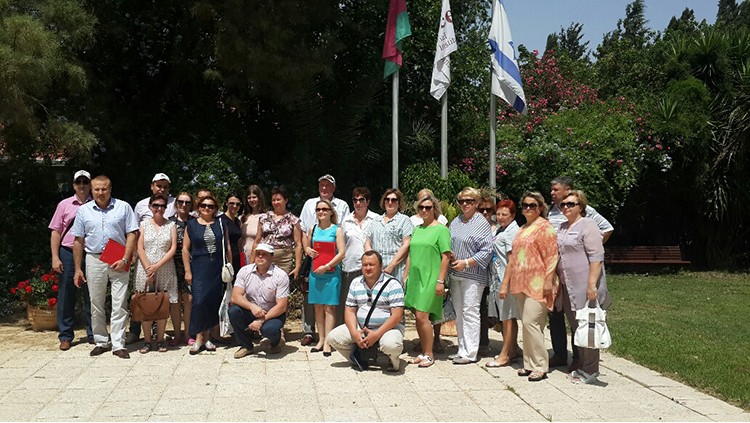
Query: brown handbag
column 148, row 306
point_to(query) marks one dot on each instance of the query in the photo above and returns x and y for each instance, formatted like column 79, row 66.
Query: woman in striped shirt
column 471, row 243
column 390, row 234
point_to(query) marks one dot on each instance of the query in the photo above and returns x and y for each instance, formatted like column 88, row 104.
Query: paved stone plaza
column 40, row 383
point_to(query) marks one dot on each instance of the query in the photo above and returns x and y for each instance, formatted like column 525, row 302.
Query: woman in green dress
column 426, row 268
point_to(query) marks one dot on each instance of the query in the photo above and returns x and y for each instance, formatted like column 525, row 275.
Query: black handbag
column 359, row 357
column 303, row 276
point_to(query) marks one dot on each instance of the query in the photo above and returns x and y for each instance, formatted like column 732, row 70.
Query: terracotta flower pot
column 42, row 319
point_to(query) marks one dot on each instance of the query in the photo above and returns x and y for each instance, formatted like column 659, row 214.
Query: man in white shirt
column 354, row 226
column 326, row 188
column 159, row 185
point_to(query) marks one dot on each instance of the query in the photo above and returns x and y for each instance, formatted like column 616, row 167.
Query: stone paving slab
column 41, row 383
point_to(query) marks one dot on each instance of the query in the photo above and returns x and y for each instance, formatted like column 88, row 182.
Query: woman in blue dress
column 325, row 279
column 202, row 248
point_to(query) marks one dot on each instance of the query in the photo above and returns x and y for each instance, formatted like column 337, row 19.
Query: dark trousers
column 67, row 294
column 559, row 336
column 241, row 318
column 346, row 281
column 484, row 320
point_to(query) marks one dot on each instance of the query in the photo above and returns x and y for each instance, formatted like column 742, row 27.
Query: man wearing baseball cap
column 259, row 301
column 326, row 188
column 159, row 185
column 61, row 245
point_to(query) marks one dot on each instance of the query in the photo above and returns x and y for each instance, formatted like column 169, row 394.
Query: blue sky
column 532, row 20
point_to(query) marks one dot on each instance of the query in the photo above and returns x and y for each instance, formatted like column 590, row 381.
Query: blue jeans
column 241, row 318
column 67, row 294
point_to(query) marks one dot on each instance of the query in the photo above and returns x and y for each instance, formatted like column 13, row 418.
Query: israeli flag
column 506, row 77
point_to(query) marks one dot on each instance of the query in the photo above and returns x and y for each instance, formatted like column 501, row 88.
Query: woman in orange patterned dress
column 530, row 276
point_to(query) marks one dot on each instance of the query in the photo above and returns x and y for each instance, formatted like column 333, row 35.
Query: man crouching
column 259, row 301
column 374, row 309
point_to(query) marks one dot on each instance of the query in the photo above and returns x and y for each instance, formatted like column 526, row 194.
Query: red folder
column 326, row 253
column 113, row 252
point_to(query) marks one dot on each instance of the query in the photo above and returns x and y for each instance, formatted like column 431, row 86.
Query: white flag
column 446, row 44
column 506, row 77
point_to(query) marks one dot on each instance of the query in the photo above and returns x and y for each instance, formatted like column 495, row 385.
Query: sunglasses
column 568, row 205
column 183, row 202
column 466, row 201
column 234, row 203
column 485, row 210
column 322, row 209
column 527, row 206
column 427, row 208
column 157, row 206
column 369, row 298
column 207, row 206
column 391, row 200
column 359, row 200
column 82, row 181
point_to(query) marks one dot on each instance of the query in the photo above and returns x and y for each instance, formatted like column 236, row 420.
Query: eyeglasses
column 568, row 205
column 234, row 203
column 485, row 210
column 466, row 201
column 391, row 200
column 527, row 206
column 322, row 209
column 359, row 200
column 207, row 206
column 157, row 206
column 182, row 202
column 82, row 181
column 426, row 208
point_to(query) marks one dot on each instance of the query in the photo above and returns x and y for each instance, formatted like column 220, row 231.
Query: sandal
column 495, row 363
column 145, row 348
column 537, row 376
column 162, row 346
column 426, row 361
column 210, row 346
column 524, row 372
column 416, row 360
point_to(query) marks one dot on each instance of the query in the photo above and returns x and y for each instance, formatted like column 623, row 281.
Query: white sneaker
column 453, row 356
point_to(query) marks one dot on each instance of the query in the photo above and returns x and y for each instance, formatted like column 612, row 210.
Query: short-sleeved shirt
column 557, row 218
column 308, row 217
column 359, row 293
column 277, row 233
column 472, row 239
column 263, row 290
column 354, row 235
column 64, row 215
column 387, row 237
column 143, row 212
column 98, row 225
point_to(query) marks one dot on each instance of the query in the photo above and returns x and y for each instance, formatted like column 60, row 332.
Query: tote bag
column 592, row 331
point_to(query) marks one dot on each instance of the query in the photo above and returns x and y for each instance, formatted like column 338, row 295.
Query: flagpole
column 394, row 154
column 493, row 124
column 444, row 136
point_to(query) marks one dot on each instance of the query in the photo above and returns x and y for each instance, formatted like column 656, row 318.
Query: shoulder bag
column 227, row 271
column 592, row 331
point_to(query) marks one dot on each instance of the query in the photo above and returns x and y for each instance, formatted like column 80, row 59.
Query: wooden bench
column 659, row 255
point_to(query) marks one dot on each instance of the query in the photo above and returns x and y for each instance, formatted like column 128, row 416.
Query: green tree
column 568, row 42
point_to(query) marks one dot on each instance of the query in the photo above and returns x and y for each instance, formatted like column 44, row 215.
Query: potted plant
column 39, row 292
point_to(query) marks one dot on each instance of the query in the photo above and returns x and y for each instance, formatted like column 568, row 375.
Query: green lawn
column 693, row 327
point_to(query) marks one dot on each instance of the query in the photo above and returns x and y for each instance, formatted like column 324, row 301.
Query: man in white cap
column 61, row 245
column 326, row 188
column 259, row 302
column 159, row 185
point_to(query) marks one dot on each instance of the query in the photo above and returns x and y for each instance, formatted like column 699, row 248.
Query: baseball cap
column 161, row 177
column 82, row 173
column 328, row 178
column 264, row 247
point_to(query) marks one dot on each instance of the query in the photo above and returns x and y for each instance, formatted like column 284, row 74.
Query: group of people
column 363, row 270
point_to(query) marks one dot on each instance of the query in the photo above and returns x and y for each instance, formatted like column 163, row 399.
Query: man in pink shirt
column 61, row 246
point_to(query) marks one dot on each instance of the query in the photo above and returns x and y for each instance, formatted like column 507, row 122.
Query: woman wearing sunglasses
column 471, row 243
column 181, row 312
column 202, row 251
column 530, row 279
column 231, row 222
column 157, row 244
column 581, row 273
column 390, row 234
column 426, row 268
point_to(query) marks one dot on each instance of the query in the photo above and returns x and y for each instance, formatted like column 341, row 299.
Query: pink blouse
column 534, row 255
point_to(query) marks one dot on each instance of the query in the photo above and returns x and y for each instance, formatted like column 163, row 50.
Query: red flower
column 46, row 277
column 51, row 302
column 28, row 289
column 13, row 290
column 55, row 288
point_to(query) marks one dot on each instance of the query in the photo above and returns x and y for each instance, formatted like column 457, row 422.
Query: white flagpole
column 444, row 137
column 493, row 124
column 394, row 154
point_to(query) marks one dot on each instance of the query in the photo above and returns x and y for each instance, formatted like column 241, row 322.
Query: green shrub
column 426, row 174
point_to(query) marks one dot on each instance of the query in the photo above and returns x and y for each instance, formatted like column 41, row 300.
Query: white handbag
column 227, row 271
column 592, row 331
column 225, row 326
